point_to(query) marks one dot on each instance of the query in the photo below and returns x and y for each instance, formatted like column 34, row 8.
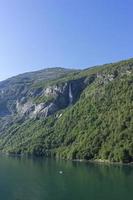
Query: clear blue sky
column 35, row 34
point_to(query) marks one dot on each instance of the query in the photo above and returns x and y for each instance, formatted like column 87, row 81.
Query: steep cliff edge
column 44, row 101
column 19, row 88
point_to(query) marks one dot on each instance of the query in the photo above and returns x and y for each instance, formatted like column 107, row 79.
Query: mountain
column 70, row 114
column 23, row 86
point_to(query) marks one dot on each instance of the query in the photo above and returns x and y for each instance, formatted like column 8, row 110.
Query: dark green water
column 39, row 179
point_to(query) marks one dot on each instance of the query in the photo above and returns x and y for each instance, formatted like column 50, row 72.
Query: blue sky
column 35, row 34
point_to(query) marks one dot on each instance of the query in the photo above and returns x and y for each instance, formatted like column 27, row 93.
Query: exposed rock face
column 57, row 97
column 24, row 108
column 17, row 93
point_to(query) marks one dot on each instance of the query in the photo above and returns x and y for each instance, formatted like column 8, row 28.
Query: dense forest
column 85, row 114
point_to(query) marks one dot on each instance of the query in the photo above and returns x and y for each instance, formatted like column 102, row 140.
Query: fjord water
column 39, row 179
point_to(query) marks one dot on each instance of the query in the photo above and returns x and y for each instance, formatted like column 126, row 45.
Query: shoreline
column 100, row 161
column 96, row 161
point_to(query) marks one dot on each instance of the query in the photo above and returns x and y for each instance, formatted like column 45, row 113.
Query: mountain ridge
column 74, row 114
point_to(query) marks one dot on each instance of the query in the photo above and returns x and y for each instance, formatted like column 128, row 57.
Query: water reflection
column 24, row 178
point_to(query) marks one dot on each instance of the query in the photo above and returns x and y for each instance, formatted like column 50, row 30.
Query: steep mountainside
column 70, row 114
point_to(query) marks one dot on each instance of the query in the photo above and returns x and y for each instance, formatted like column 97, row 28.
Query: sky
column 36, row 34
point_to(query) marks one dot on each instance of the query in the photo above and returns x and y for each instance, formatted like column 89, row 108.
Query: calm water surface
column 39, row 179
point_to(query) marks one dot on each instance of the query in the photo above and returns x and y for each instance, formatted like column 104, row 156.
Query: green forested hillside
column 97, row 125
